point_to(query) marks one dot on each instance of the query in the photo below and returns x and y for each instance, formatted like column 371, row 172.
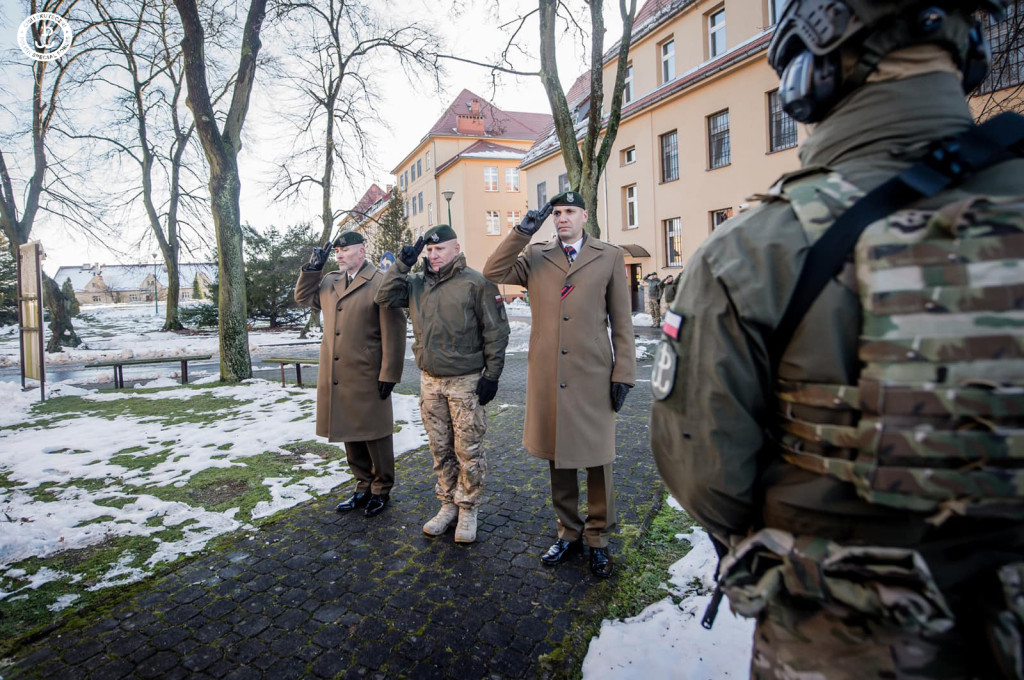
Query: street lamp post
column 156, row 289
column 448, row 195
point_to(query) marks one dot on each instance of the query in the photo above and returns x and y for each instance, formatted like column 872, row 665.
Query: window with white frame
column 414, row 205
column 716, row 33
column 629, row 202
column 421, row 201
column 430, row 214
column 627, row 89
column 490, row 179
column 668, row 60
column 563, row 182
column 493, row 223
column 673, row 242
column 542, row 194
column 406, row 211
column 716, row 217
column 719, row 152
column 512, row 179
column 428, row 160
column 781, row 126
column 629, row 155
column 419, row 168
column 514, row 218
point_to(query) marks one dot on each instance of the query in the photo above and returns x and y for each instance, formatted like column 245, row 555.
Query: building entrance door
column 636, row 292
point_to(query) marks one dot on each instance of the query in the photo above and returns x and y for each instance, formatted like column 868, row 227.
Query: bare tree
column 334, row 68
column 146, row 71
column 586, row 142
column 222, row 144
column 22, row 200
column 1003, row 88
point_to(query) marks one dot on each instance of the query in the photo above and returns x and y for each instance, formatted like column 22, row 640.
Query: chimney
column 471, row 123
column 391, row 188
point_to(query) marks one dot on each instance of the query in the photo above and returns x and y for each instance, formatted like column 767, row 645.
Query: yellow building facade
column 474, row 150
column 701, row 131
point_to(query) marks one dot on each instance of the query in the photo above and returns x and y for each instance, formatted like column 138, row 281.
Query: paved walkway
column 318, row 594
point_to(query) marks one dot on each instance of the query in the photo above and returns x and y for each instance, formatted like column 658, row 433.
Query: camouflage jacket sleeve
column 394, row 287
column 494, row 327
column 307, row 289
column 710, row 384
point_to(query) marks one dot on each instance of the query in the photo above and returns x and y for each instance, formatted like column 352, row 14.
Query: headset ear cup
column 978, row 59
column 809, row 86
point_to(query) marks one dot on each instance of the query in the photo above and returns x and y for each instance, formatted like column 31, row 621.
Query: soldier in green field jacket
column 460, row 334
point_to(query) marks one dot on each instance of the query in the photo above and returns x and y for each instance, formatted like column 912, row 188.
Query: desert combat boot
column 465, row 531
column 442, row 520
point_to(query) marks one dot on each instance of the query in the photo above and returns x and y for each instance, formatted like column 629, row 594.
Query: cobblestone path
column 317, row 594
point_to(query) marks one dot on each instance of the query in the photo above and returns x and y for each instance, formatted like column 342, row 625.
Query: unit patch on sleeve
column 663, row 375
column 673, row 322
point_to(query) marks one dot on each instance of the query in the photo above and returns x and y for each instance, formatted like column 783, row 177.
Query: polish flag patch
column 673, row 322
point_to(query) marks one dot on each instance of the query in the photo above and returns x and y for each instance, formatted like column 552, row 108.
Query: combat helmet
column 812, row 36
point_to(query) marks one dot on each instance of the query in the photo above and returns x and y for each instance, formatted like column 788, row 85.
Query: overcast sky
column 469, row 29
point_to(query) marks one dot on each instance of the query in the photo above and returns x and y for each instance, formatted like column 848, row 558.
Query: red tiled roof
column 579, row 90
column 372, row 195
column 497, row 123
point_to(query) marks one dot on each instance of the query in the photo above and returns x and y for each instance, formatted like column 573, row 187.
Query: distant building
column 367, row 211
column 105, row 284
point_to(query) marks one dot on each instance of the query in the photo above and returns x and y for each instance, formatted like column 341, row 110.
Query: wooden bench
column 298, row 361
column 118, row 365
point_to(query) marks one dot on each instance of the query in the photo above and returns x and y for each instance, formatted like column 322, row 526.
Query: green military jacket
column 712, row 383
column 458, row 317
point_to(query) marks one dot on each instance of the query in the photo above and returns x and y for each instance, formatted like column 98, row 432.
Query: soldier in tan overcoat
column 577, row 376
column 361, row 360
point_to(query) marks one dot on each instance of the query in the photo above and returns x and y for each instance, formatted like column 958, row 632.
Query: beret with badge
column 570, row 198
column 439, row 234
column 348, row 238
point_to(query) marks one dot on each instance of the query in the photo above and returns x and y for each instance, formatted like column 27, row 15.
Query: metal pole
column 39, row 312
column 449, row 212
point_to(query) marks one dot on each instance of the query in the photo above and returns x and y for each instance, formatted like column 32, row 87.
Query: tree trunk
column 235, row 362
column 171, row 321
column 62, row 332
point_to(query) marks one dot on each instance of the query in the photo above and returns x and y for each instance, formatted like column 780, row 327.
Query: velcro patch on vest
column 663, row 375
column 673, row 322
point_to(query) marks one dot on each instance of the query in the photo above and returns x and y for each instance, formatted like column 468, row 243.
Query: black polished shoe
column 358, row 500
column 561, row 551
column 600, row 562
column 375, row 505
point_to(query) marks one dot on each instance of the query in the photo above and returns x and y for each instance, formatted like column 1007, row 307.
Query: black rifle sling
column 947, row 164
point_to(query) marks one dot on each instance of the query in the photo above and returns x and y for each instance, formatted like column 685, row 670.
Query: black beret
column 348, row 238
column 439, row 234
column 572, row 198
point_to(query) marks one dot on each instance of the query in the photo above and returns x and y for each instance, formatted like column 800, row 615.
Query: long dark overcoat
column 569, row 416
column 362, row 344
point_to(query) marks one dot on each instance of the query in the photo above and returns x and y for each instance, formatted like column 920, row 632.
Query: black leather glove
column 534, row 218
column 318, row 258
column 385, row 388
column 486, row 389
column 409, row 254
column 619, row 392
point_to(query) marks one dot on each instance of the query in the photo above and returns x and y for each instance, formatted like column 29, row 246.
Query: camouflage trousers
column 455, row 423
column 813, row 641
column 654, row 309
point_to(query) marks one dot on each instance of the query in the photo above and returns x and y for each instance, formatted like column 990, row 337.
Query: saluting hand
column 319, row 257
column 534, row 218
column 410, row 254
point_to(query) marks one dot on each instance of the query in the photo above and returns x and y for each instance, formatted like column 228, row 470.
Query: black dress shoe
column 561, row 551
column 358, row 500
column 375, row 505
column 600, row 562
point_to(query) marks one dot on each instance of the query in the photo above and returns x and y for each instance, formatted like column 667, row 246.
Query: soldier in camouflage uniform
column 841, row 505
column 460, row 329
column 654, row 288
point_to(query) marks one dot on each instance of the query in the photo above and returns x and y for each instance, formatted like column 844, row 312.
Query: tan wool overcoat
column 569, row 416
column 362, row 344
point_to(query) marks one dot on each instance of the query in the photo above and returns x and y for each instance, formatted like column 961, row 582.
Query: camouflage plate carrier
column 939, row 406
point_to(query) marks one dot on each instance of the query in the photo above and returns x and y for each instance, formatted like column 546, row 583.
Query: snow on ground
column 666, row 640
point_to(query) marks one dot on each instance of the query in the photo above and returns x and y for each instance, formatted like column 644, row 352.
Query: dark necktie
column 570, row 253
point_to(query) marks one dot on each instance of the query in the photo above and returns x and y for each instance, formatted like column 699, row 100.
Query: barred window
column 669, row 156
column 1007, row 42
column 673, row 242
column 718, row 140
column 781, row 126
